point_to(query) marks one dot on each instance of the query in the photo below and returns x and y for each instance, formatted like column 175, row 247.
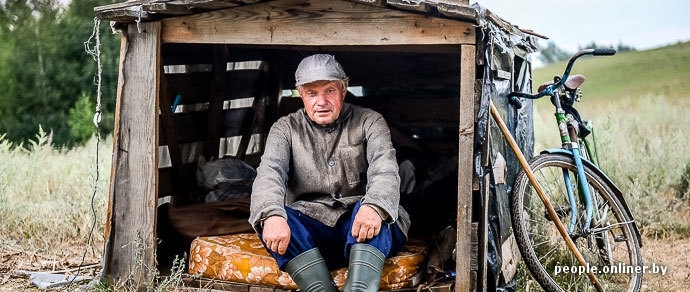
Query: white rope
column 95, row 53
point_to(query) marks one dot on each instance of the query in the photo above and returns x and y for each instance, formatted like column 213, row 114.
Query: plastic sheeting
column 506, row 68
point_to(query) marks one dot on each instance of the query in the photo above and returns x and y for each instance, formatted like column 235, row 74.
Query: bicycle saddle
column 573, row 82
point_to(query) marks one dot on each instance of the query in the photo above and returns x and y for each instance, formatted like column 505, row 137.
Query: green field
column 658, row 72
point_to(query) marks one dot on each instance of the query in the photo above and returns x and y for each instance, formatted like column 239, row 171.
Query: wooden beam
column 463, row 280
column 116, row 6
column 458, row 11
column 170, row 133
column 138, row 10
column 457, row 2
column 131, row 227
column 213, row 4
column 311, row 22
column 419, row 6
column 215, row 103
column 167, row 8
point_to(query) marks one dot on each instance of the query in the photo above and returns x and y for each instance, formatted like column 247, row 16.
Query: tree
column 79, row 18
column 80, row 119
column 619, row 48
column 624, row 48
column 553, row 54
column 44, row 69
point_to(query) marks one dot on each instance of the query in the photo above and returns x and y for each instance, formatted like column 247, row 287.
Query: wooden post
column 463, row 279
column 131, row 221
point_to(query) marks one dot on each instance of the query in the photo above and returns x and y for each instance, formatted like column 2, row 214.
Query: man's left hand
column 367, row 223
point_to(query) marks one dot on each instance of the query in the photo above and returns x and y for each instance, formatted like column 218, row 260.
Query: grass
column 51, row 204
column 43, row 182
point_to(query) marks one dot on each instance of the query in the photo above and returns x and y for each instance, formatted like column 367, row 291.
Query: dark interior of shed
column 219, row 101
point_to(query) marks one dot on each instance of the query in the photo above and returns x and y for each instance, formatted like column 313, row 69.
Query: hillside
column 662, row 71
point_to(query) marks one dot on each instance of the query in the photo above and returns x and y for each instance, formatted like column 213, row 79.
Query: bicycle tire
column 543, row 248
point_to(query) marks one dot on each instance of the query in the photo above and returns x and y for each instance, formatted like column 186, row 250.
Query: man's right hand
column 276, row 234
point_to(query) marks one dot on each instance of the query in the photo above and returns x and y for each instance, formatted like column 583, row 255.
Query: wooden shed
column 202, row 80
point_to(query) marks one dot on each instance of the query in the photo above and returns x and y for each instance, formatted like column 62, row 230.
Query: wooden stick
column 541, row 193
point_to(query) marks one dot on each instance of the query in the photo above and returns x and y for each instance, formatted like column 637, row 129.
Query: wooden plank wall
column 214, row 93
column 131, row 226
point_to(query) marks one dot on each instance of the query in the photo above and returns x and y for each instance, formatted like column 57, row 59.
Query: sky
column 570, row 24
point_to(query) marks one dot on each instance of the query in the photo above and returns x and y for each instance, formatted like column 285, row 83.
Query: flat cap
column 318, row 67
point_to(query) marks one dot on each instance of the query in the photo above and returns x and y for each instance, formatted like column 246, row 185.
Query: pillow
column 242, row 258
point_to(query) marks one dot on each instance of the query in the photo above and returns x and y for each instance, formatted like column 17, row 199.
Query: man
column 327, row 188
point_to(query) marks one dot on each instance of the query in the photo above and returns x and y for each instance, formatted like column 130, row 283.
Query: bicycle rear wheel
column 610, row 247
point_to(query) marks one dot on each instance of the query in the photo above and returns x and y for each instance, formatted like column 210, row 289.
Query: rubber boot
column 364, row 271
column 310, row 273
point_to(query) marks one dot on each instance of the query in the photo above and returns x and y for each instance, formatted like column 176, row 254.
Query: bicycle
column 602, row 242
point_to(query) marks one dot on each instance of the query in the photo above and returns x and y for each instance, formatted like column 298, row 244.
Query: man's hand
column 276, row 234
column 367, row 223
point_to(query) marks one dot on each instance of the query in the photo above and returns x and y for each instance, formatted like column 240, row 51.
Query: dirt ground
column 671, row 253
column 15, row 263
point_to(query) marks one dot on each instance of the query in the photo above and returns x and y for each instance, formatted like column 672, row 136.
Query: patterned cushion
column 242, row 258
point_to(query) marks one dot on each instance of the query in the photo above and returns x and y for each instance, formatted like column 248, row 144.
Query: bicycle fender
column 616, row 191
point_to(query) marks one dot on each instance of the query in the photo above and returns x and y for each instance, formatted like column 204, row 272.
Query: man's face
column 323, row 100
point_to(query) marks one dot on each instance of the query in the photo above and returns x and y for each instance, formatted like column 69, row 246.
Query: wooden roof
column 149, row 10
column 152, row 10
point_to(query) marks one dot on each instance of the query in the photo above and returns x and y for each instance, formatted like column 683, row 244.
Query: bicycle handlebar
column 604, row 52
column 551, row 89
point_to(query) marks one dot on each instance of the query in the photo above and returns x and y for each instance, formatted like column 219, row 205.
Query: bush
column 80, row 120
column 683, row 191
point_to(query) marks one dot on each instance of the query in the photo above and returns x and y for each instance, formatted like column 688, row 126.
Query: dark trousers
column 333, row 242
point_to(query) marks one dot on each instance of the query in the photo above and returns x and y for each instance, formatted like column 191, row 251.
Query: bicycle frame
column 583, row 187
column 591, row 149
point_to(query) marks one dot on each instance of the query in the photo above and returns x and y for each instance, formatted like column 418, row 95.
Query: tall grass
column 642, row 146
column 46, row 195
column 51, row 203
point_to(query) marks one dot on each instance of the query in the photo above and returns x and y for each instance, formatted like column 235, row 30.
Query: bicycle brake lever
column 578, row 94
column 512, row 98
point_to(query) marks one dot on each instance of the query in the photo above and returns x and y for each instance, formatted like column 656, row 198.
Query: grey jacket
column 322, row 171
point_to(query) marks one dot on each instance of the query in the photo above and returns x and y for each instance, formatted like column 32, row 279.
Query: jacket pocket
column 354, row 162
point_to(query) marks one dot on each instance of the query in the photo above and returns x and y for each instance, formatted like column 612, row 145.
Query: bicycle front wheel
column 609, row 245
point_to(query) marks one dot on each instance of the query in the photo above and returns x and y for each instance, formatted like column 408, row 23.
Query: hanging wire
column 95, row 53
